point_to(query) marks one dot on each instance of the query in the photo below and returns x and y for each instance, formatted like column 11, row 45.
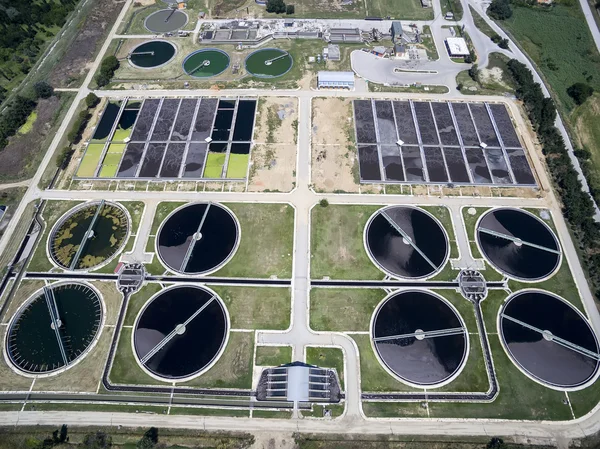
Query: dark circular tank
column 518, row 244
column 549, row 339
column 180, row 332
column 419, row 337
column 198, row 238
column 54, row 328
column 406, row 242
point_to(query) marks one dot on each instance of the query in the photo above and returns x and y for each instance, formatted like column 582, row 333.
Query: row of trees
column 108, row 67
column 500, row 9
column 578, row 207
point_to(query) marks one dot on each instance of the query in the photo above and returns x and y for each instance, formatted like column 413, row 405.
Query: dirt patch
column 78, row 58
column 273, row 167
column 276, row 121
column 332, row 121
column 334, row 158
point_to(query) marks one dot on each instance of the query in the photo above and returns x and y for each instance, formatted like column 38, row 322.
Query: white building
column 457, row 47
column 335, row 80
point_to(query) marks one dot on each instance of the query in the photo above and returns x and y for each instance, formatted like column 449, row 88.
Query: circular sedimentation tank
column 518, row 244
column 152, row 54
column 206, row 63
column 549, row 339
column 89, row 236
column 55, row 328
column 198, row 238
column 420, row 338
column 180, row 332
column 406, row 242
column 166, row 21
column 269, row 63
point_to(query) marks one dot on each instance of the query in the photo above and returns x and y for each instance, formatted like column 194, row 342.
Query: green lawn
column 394, row 409
column 541, row 32
column 481, row 24
column 327, row 358
column 453, row 6
column 257, row 307
column 237, row 166
column 273, row 355
column 337, row 248
column 90, row 160
column 266, row 241
column 28, row 125
column 214, row 165
column 343, row 310
column 400, row 9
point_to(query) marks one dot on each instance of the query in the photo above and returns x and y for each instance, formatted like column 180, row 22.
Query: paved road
column 589, row 17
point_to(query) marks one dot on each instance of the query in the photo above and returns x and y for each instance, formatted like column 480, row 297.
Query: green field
column 273, row 355
column 90, row 160
column 327, row 358
column 214, row 165
column 560, row 45
column 399, row 9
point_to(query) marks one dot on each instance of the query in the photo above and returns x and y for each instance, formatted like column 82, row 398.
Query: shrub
column 474, row 73
column 580, row 92
column 290, row 9
column 108, row 67
column 78, row 127
column 582, row 154
column 64, row 156
column 500, row 9
column 503, row 44
column 92, row 100
column 43, row 89
column 324, row 202
column 276, row 6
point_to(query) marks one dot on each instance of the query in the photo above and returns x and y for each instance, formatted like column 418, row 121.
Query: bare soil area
column 20, row 157
column 273, row 167
column 76, row 61
column 276, row 120
column 334, row 158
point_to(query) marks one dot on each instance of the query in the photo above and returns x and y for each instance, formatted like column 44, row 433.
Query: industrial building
column 457, row 47
column 396, row 32
column 335, row 80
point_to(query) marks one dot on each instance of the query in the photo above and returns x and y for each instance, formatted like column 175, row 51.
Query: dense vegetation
column 108, row 67
column 577, row 205
column 25, row 26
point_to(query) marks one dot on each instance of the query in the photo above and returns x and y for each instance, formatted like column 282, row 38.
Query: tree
column 108, row 67
column 495, row 443
column 503, row 43
column 290, row 9
column 276, row 6
column 324, row 202
column 92, row 100
column 474, row 73
column 98, row 440
column 500, row 9
column 62, row 159
column 580, row 92
column 582, row 154
column 43, row 89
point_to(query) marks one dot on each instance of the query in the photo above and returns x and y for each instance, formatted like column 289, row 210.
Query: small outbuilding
column 396, row 31
column 335, row 80
column 457, row 47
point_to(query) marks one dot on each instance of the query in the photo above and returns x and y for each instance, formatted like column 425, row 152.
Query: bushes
column 290, row 9
column 108, row 67
column 43, row 89
column 500, row 9
column 578, row 207
column 78, row 127
column 276, row 6
column 92, row 100
column 14, row 116
column 580, row 92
